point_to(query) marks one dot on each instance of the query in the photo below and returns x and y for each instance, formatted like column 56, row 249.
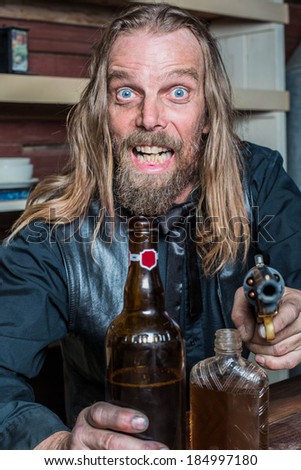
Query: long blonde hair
column 90, row 170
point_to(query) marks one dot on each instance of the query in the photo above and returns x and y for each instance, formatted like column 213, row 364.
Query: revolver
column 263, row 287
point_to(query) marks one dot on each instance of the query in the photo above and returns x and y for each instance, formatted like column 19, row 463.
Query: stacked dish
column 15, row 183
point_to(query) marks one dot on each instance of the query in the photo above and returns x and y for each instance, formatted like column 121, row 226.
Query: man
column 152, row 134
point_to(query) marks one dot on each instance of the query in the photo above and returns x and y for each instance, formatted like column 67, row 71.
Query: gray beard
column 150, row 194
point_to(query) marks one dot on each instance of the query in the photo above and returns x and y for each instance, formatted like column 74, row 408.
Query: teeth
column 152, row 154
column 147, row 149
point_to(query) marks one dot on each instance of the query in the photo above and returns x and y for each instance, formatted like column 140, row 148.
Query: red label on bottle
column 147, row 259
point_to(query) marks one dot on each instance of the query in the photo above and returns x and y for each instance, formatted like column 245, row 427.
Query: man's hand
column 103, row 426
column 284, row 352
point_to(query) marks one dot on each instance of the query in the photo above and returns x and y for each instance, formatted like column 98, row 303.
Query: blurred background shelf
column 40, row 89
column 66, row 91
column 256, row 10
column 12, row 206
column 89, row 11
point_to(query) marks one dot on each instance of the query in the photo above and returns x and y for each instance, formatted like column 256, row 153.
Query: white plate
column 19, row 184
column 12, row 206
column 12, row 161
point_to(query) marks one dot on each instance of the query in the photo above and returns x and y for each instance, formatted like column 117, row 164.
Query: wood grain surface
column 285, row 414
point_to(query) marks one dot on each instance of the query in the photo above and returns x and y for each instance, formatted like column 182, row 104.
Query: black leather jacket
column 95, row 296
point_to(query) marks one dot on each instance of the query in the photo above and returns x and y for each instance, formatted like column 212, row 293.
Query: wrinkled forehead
column 143, row 47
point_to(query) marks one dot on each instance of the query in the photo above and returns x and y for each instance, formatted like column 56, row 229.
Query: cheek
column 120, row 122
column 188, row 131
column 188, row 122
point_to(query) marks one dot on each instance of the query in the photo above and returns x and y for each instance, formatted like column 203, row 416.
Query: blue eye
column 125, row 93
column 179, row 93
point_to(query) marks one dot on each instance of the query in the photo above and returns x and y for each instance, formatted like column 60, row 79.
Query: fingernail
column 139, row 423
column 262, row 331
column 260, row 360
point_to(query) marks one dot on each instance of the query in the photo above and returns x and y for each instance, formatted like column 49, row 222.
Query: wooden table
column 285, row 414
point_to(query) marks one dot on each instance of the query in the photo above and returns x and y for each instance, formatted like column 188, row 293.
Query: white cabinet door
column 254, row 54
column 254, row 57
column 268, row 129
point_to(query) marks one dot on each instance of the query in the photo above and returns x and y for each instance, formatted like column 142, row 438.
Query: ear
column 206, row 129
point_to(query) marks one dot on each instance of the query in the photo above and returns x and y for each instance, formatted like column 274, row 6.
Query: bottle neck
column 143, row 289
column 228, row 342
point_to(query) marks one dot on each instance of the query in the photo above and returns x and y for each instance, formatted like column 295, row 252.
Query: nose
column 151, row 114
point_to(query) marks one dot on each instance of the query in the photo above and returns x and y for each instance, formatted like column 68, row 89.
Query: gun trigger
column 269, row 327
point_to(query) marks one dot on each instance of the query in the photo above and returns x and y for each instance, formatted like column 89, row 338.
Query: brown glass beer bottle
column 229, row 399
column 144, row 346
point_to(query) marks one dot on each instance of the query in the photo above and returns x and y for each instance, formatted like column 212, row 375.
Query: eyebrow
column 117, row 75
column 180, row 72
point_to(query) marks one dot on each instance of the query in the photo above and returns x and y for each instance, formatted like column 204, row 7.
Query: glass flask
column 229, row 398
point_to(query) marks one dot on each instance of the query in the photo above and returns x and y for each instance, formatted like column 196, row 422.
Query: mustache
column 142, row 138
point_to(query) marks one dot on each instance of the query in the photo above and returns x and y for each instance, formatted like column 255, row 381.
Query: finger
column 280, row 348
column 281, row 352
column 289, row 361
column 92, row 429
column 84, row 438
column 288, row 315
column 243, row 315
column 115, row 441
column 107, row 416
column 288, row 320
column 287, row 323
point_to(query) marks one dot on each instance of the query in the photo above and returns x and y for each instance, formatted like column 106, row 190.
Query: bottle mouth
column 227, row 339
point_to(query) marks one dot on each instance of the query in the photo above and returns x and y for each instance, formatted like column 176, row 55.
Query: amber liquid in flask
column 229, row 399
column 144, row 347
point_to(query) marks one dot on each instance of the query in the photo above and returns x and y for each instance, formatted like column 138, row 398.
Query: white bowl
column 14, row 174
column 13, row 161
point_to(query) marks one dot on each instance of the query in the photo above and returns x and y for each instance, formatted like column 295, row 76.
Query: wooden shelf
column 38, row 89
column 256, row 10
column 96, row 12
column 261, row 100
column 33, row 89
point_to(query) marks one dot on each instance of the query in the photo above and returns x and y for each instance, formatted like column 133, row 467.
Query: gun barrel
column 269, row 292
column 263, row 287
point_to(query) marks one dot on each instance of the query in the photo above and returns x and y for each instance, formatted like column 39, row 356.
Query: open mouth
column 152, row 154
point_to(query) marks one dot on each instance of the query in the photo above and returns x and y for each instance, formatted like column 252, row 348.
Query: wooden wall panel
column 57, row 49
column 293, row 30
column 43, row 141
column 47, row 159
column 39, row 132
